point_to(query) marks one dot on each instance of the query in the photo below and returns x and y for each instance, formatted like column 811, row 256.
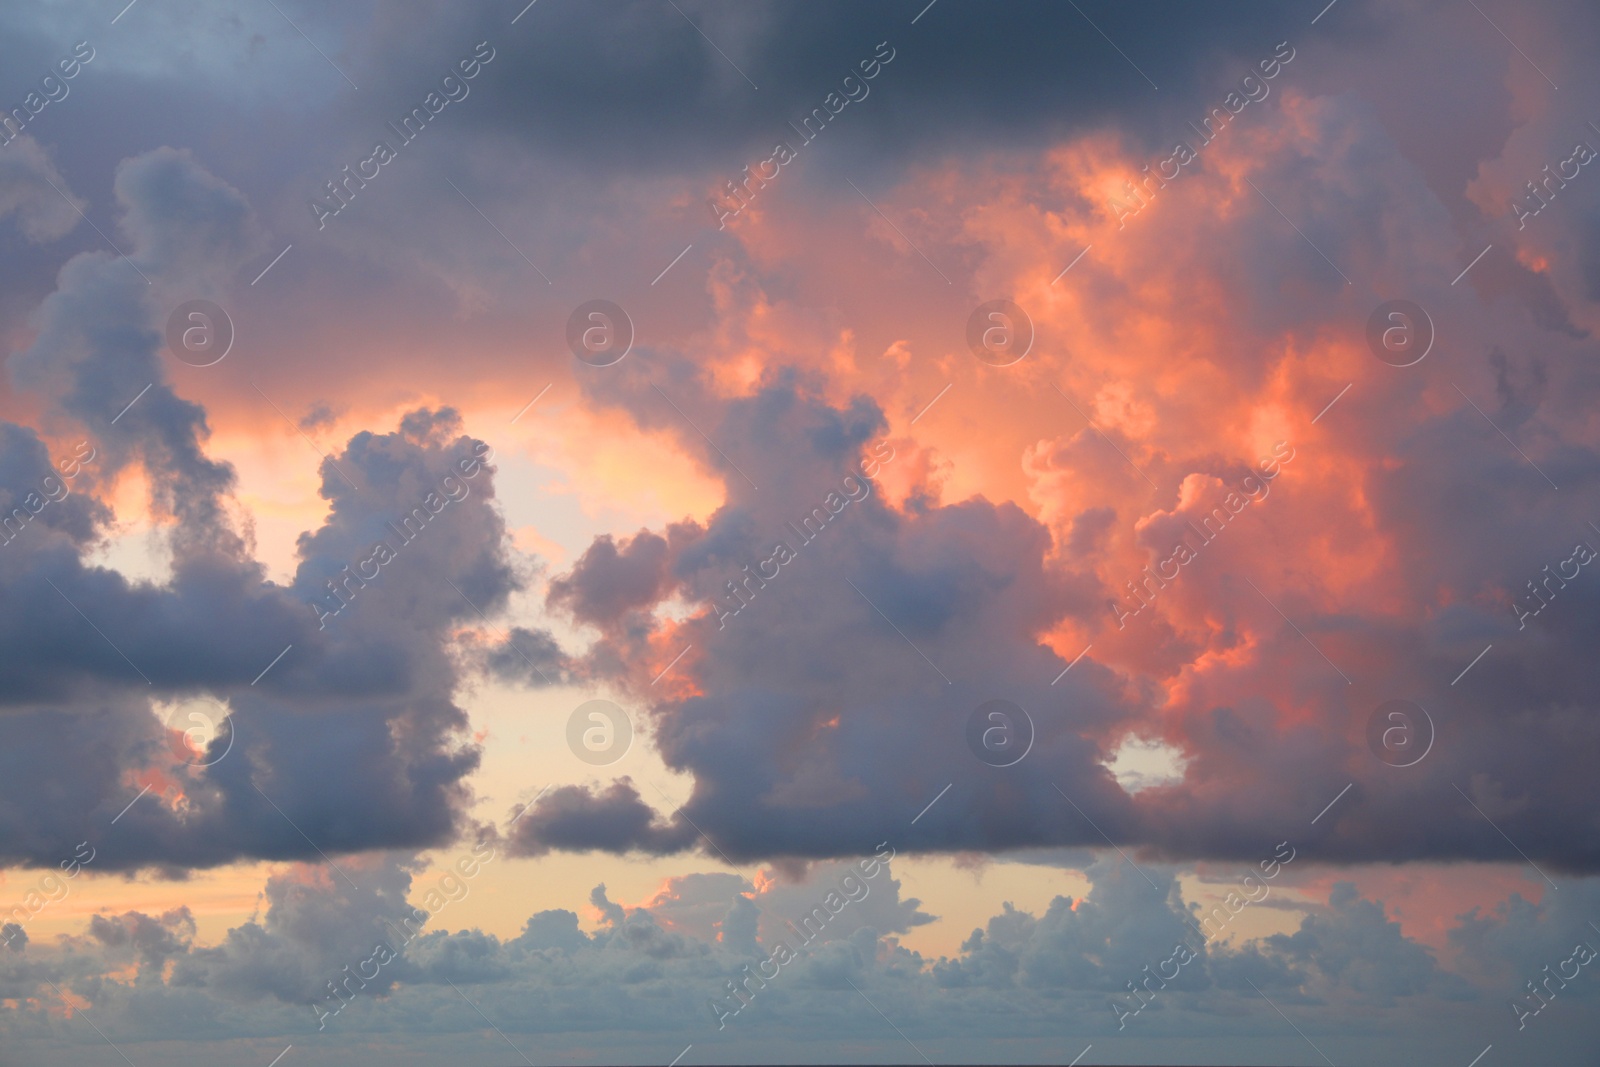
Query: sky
column 678, row 532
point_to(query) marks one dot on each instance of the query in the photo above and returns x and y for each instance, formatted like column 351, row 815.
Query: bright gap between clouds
column 1140, row 763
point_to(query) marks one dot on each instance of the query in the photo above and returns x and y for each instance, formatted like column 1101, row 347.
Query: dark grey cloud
column 1358, row 948
column 374, row 687
column 636, row 87
column 368, row 671
column 608, row 581
column 804, row 690
column 46, row 491
column 615, row 819
column 532, row 657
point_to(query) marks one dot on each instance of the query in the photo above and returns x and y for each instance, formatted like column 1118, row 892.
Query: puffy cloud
column 1354, row 945
column 358, row 650
column 1261, row 667
column 532, row 657
column 824, row 703
column 660, row 968
column 187, row 223
column 801, row 683
column 614, row 819
column 608, row 581
column 33, row 191
column 39, row 488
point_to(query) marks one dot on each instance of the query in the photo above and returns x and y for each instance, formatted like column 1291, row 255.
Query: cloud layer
column 810, row 532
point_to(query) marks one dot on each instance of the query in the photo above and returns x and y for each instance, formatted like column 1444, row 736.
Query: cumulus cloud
column 614, row 819
column 375, row 675
column 33, row 192
column 684, row 962
column 1013, row 541
column 1260, row 667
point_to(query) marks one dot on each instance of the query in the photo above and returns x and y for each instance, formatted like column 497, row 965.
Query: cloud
column 660, row 967
column 823, row 696
column 33, row 191
column 935, row 96
column 615, row 819
column 800, row 684
column 1356, row 947
column 606, row 581
column 531, row 657
column 95, row 648
column 186, row 222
